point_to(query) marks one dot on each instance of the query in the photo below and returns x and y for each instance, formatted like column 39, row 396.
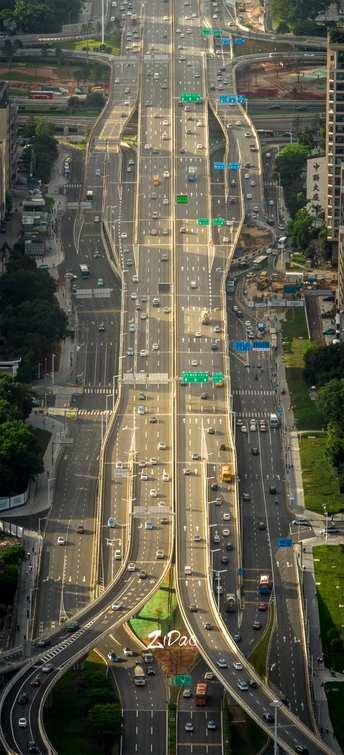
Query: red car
column 232, row 200
column 35, row 682
column 262, row 606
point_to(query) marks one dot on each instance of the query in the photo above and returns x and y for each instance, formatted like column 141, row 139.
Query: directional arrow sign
column 219, row 166
column 203, row 221
column 239, row 41
column 182, row 679
column 241, row 99
column 190, row 97
column 206, row 32
column 234, row 166
column 261, row 345
column 241, row 345
column 284, row 542
column 226, row 41
column 218, row 221
column 223, row 99
column 182, row 199
column 232, row 99
column 195, row 377
column 217, row 32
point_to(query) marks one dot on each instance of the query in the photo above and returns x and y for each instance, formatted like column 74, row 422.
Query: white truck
column 139, row 676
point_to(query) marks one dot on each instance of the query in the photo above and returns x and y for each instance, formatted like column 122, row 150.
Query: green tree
column 322, row 364
column 8, row 201
column 25, row 285
column 306, row 138
column 95, row 100
column 330, row 402
column 99, row 696
column 290, row 162
column 300, row 230
column 18, row 398
column 20, row 457
column 74, row 103
column 95, row 679
column 34, row 17
column 335, row 446
column 104, row 724
column 10, row 557
column 44, row 128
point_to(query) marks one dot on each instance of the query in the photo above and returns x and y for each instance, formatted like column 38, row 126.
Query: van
column 118, row 555
column 187, row 570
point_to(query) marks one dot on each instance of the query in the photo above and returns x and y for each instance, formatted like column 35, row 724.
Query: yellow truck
column 156, row 180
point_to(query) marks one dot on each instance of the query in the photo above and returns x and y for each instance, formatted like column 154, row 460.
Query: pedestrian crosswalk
column 251, row 415
column 98, row 389
column 249, row 392
column 92, row 412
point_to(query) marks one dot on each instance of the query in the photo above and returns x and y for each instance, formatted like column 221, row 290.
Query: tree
column 92, row 679
column 44, row 128
column 25, row 286
column 95, row 100
column 104, row 724
column 8, row 201
column 74, row 103
column 291, row 162
column 306, row 138
column 330, row 402
column 300, row 230
column 10, row 557
column 335, row 446
column 322, row 364
column 21, row 457
column 18, row 398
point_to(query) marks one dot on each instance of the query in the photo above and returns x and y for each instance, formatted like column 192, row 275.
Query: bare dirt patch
column 27, row 78
column 288, row 78
column 253, row 238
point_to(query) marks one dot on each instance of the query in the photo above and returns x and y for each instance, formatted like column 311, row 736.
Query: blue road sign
column 239, row 41
column 224, row 98
column 226, row 41
column 219, row 166
column 232, row 99
column 241, row 345
column 241, row 99
column 240, row 571
column 284, row 542
column 234, row 166
column 261, row 345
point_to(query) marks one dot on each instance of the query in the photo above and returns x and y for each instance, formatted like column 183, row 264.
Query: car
column 187, row 693
column 73, row 626
column 330, row 531
column 142, row 574
column 128, row 652
column 153, row 420
column 271, row 202
column 130, row 351
column 165, row 476
column 240, row 421
column 208, row 625
column 160, row 553
column 262, row 525
column 166, row 174
column 237, row 637
column 247, row 133
column 232, row 200
column 36, row 681
column 253, row 683
column 210, row 431
column 262, row 607
column 211, row 725
column 113, row 657
column 209, row 675
column 101, row 327
column 225, row 533
column 248, row 196
column 153, row 460
column 183, row 229
column 300, row 522
column 32, row 747
column 97, row 219
column 131, row 566
column 61, row 541
column 243, row 429
column 226, row 516
column 252, row 183
column 148, row 525
column 329, row 332
column 221, row 663
column 237, row 665
column 47, row 668
column 140, row 410
column 43, row 642
column 242, row 685
column 142, row 396
column 301, row 748
column 256, row 625
column 22, row 699
column 272, row 489
column 197, row 538
column 116, row 606
column 100, row 282
column 246, row 497
column 255, row 451
column 153, row 493
column 144, row 476
column 161, row 446
column 199, row 146
column 150, row 670
column 193, row 608
column 189, row 726
column 154, row 232
column 238, row 123
column 131, row 328
column 143, row 353
column 268, row 717
column 155, row 347
column 194, row 362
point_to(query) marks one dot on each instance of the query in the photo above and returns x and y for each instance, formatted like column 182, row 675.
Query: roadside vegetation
column 258, row 657
column 112, row 44
column 85, row 716
column 334, row 694
column 295, row 345
column 329, row 578
column 319, row 478
column 245, row 736
column 11, row 554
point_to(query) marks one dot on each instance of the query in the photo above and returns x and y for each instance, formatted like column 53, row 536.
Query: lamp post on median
column 276, row 704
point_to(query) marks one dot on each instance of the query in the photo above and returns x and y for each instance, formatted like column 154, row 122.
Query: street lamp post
column 276, row 704
column 326, row 520
column 52, row 368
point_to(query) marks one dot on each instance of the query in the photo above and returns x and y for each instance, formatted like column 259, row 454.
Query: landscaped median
column 295, row 345
column 319, row 477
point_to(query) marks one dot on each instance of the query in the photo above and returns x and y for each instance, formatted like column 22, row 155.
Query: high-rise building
column 334, row 136
column 8, row 137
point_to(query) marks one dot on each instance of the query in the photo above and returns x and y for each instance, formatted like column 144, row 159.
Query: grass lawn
column 320, row 481
column 112, row 40
column 161, row 612
column 253, row 46
column 65, row 722
column 259, row 654
column 43, row 437
column 246, row 737
column 334, row 693
column 295, row 345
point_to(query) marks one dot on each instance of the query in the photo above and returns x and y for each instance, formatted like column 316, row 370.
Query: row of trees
column 33, row 323
column 297, row 17
column 21, row 458
column 45, row 146
column 324, row 367
column 10, row 557
column 104, row 720
column 39, row 16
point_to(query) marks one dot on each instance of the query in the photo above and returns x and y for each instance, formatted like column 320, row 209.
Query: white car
column 143, row 353
column 194, row 363
column 237, row 665
column 271, row 202
column 22, row 723
column 119, row 465
column 155, row 347
column 162, row 446
column 131, row 567
column 247, row 175
column 198, row 334
column 199, row 123
column 61, row 541
column 247, row 133
column 160, row 553
column 153, row 460
column 166, row 174
column 238, row 123
column 199, row 146
column 133, row 295
column 135, row 278
column 165, row 122
column 165, row 476
column 165, row 200
column 248, row 196
column 141, row 410
column 147, row 146
column 128, row 651
column 143, row 315
column 225, row 532
column 153, row 493
column 116, row 606
column 252, row 183
column 226, row 516
column 124, row 235
column 144, row 476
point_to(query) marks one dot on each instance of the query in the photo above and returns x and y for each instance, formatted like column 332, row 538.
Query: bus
column 226, row 473
column 40, row 96
column 85, row 272
column 264, row 583
column 201, row 694
column 282, row 242
column 262, row 132
column 260, row 262
column 274, row 421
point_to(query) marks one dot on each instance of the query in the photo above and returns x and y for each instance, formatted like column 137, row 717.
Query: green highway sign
column 217, row 377
column 206, row 32
column 195, row 377
column 218, row 221
column 182, row 198
column 217, row 32
column 182, row 679
column 190, row 97
column 203, row 221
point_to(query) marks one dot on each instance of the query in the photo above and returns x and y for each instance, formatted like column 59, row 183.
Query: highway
column 152, row 439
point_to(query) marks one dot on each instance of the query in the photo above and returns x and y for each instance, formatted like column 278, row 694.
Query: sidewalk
column 296, row 504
